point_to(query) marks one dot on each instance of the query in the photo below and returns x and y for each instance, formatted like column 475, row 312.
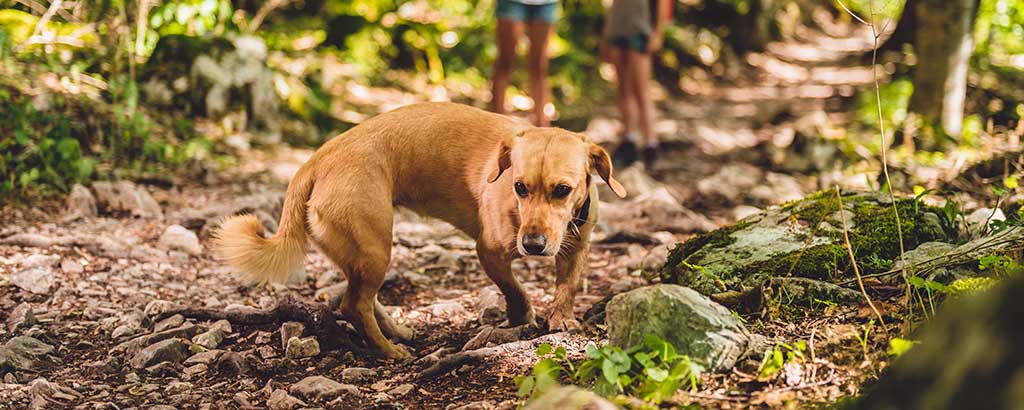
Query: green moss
column 873, row 236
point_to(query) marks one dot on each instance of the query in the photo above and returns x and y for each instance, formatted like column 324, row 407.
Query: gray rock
column 491, row 305
column 448, row 308
column 401, row 390
column 802, row 239
column 172, row 350
column 281, row 400
column 298, row 348
column 80, row 203
column 207, row 357
column 357, row 374
column 71, row 267
column 571, row 398
column 923, row 253
column 47, row 395
column 234, row 363
column 320, row 388
column 24, row 353
column 124, row 196
column 209, row 339
column 156, row 307
column 177, row 387
column 290, row 330
column 169, row 323
column 37, row 280
column 39, row 260
column 123, row 331
column 21, row 317
column 695, row 325
column 177, row 237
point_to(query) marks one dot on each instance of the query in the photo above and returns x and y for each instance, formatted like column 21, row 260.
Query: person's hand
column 654, row 44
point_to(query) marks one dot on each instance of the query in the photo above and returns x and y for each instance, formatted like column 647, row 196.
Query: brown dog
column 517, row 189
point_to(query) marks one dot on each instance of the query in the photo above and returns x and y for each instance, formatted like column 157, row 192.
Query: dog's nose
column 534, row 243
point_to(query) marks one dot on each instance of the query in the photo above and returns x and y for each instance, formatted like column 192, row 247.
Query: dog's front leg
column 568, row 269
column 498, row 265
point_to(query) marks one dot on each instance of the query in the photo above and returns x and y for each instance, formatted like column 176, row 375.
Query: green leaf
column 644, row 359
column 525, row 384
column 899, row 346
column 609, row 370
column 657, row 374
column 592, row 351
column 561, row 353
column 543, row 349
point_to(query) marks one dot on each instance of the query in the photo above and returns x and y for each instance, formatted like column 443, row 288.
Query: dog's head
column 550, row 170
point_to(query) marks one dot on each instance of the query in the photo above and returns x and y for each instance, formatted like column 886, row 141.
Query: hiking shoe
column 625, row 154
column 650, row 157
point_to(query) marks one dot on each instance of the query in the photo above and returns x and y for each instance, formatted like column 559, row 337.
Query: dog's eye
column 521, row 189
column 561, row 191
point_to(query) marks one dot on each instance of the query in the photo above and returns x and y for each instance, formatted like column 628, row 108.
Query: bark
column 944, row 46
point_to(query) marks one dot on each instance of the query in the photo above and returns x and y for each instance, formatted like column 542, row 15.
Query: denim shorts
column 516, row 11
column 635, row 42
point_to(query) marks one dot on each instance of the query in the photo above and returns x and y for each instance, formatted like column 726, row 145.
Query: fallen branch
column 452, row 362
column 317, row 317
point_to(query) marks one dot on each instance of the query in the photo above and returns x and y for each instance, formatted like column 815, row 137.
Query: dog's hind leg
column 358, row 240
column 498, row 265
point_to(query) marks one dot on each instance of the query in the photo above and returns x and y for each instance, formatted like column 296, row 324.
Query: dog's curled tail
column 240, row 241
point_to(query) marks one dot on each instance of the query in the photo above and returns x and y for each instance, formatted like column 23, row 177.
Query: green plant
column 863, row 337
column 777, row 357
column 651, row 371
column 898, row 346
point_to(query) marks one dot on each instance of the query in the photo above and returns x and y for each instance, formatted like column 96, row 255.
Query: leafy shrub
column 651, row 371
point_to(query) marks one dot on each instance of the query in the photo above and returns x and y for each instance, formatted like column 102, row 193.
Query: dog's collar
column 580, row 216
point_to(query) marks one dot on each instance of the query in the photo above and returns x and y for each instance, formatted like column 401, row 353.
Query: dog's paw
column 560, row 322
column 398, row 352
column 404, row 333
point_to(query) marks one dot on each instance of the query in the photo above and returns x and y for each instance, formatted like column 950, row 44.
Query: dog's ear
column 504, row 161
column 602, row 163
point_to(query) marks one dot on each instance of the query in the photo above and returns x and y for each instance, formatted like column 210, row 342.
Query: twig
column 853, row 260
column 41, row 24
column 262, row 13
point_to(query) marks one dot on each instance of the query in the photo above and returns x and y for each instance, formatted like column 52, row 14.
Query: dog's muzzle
column 535, row 244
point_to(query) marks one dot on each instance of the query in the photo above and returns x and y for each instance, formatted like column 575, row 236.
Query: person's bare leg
column 508, row 35
column 539, row 33
column 624, row 99
column 639, row 79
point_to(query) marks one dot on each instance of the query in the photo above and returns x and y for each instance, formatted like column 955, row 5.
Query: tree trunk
column 943, row 46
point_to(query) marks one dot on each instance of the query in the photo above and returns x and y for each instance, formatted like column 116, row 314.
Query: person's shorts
column 516, row 11
column 635, row 42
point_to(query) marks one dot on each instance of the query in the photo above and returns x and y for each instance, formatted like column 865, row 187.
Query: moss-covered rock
column 804, row 239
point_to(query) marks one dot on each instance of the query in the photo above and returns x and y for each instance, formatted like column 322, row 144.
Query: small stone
column 357, row 374
column 80, row 203
column 177, row 387
column 209, row 339
column 321, row 388
column 491, row 305
column 298, row 348
column 37, row 280
column 223, row 325
column 172, row 350
column 479, row 405
column 233, row 363
column 123, row 331
column 156, row 307
column 194, row 370
column 21, row 317
column 449, row 308
column 71, row 267
column 290, row 330
column 206, row 357
column 281, row 400
column 39, row 260
column 266, row 351
column 401, row 390
column 177, row 237
column 24, row 353
column 169, row 323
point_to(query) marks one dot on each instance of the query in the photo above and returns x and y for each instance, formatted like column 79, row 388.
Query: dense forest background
column 95, row 89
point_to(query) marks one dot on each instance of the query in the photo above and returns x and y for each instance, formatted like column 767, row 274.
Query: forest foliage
column 75, row 108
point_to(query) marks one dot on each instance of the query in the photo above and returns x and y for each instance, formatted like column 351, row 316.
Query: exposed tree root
column 319, row 319
column 457, row 360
